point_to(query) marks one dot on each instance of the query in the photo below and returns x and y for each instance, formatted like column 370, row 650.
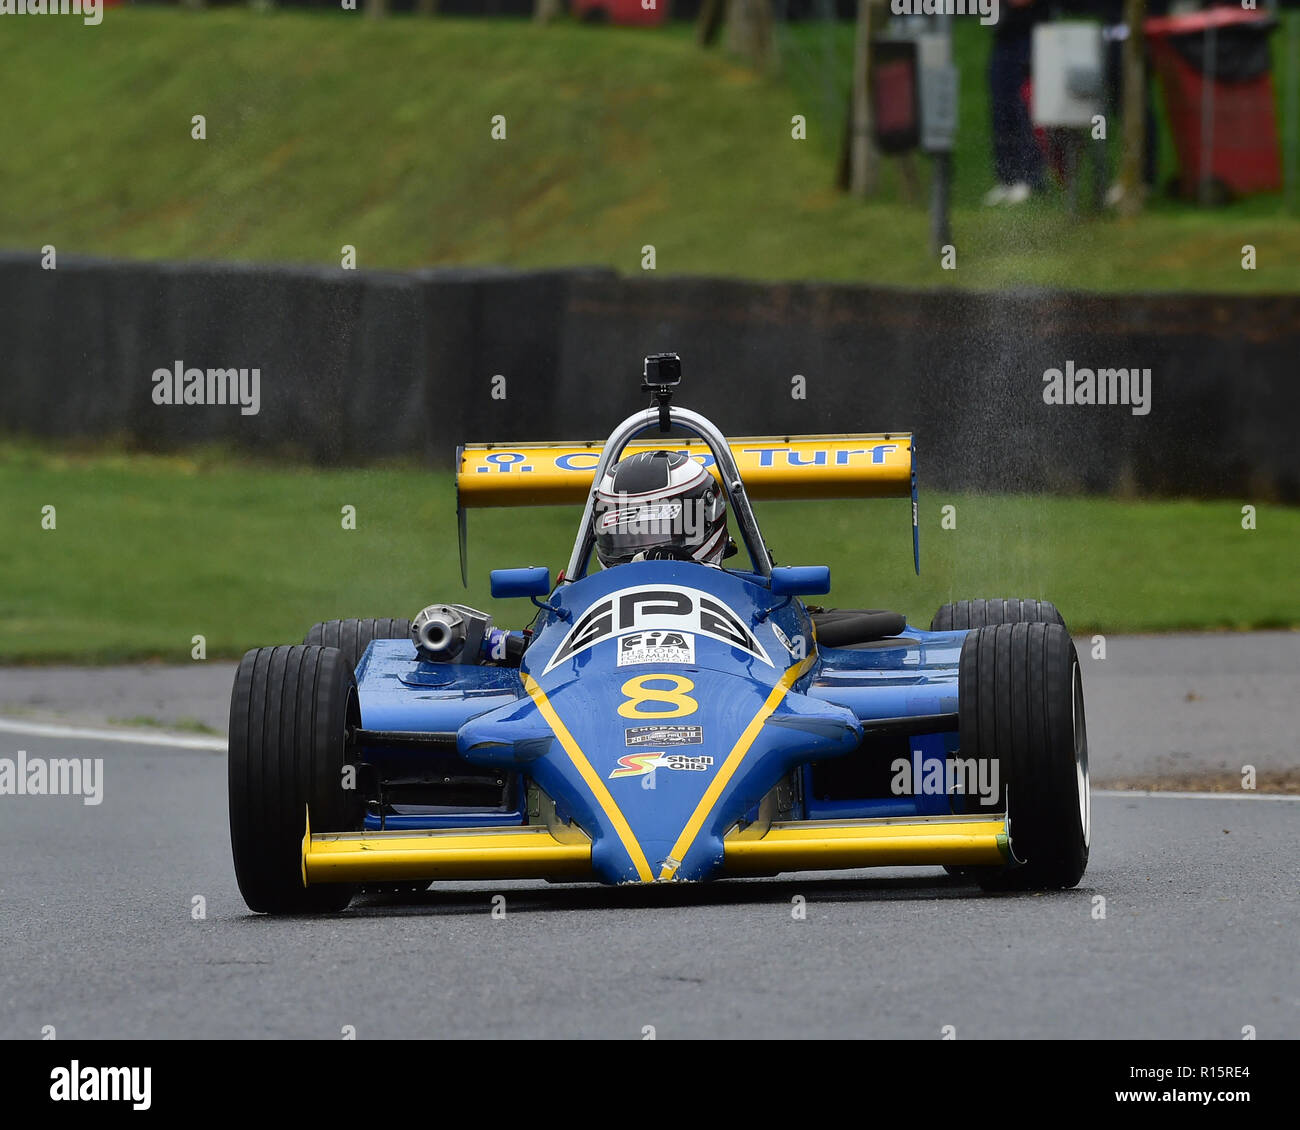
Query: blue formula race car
column 666, row 717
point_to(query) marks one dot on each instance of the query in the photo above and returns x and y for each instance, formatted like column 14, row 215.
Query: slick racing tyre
column 967, row 614
column 290, row 711
column 1020, row 707
column 352, row 637
column 983, row 613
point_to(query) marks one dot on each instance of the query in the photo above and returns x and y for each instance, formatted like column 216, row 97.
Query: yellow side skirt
column 827, row 845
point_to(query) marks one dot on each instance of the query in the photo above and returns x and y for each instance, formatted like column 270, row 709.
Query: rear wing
column 790, row 467
column 868, row 465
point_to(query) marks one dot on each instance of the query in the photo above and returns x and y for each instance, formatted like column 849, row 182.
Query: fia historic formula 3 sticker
column 656, row 647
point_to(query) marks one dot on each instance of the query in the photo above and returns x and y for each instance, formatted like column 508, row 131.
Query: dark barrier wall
column 358, row 366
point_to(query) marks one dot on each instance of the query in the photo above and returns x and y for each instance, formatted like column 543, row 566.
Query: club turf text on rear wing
column 792, row 467
column 861, row 465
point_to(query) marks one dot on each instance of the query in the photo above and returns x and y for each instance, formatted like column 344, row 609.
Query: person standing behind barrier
column 1017, row 160
column 1114, row 32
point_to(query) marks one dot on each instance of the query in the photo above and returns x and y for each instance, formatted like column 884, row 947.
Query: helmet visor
column 628, row 528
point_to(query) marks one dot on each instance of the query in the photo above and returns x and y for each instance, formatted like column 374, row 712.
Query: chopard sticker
column 663, row 734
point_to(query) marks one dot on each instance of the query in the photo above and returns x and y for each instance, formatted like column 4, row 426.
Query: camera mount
column 663, row 373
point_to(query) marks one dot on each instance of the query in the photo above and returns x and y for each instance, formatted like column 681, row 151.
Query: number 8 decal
column 637, row 692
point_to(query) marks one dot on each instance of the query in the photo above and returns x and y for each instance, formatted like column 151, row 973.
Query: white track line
column 135, row 737
column 1196, row 796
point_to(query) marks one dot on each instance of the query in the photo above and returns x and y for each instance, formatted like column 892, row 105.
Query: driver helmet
column 660, row 504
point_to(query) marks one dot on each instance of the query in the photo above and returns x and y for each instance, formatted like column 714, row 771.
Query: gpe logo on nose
column 664, row 607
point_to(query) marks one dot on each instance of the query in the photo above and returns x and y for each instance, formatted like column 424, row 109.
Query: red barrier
column 1243, row 155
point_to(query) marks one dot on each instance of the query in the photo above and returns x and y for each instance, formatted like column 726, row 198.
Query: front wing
column 564, row 853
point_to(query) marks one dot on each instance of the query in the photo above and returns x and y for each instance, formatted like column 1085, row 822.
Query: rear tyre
column 352, row 637
column 967, row 614
column 289, row 715
column 1020, row 706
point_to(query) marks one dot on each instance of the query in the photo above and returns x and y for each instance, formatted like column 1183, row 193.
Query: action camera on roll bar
column 662, row 370
column 663, row 373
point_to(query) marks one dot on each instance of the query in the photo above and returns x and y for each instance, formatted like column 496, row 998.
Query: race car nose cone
column 659, row 855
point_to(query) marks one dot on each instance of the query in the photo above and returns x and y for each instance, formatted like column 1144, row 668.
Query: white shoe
column 995, row 196
column 1018, row 193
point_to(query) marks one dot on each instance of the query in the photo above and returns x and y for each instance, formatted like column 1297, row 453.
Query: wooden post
column 863, row 160
column 709, row 23
column 1135, row 117
column 544, row 11
column 749, row 30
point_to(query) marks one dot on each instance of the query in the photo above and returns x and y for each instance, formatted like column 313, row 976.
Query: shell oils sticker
column 638, row 764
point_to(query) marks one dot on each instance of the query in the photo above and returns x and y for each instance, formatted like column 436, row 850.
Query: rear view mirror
column 532, row 581
column 801, row 580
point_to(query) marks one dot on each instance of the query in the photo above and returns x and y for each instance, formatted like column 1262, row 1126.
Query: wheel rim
column 1081, row 758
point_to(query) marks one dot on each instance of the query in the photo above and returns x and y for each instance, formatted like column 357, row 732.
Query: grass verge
column 148, row 552
column 328, row 129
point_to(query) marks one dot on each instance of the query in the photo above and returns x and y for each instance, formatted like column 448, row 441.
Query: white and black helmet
column 660, row 504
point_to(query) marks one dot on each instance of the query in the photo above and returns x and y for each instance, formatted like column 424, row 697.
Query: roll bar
column 688, row 421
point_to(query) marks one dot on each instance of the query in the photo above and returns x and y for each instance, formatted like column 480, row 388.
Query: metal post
column 1293, row 111
column 940, row 195
column 1071, row 140
column 1205, row 188
column 941, row 180
column 1097, row 152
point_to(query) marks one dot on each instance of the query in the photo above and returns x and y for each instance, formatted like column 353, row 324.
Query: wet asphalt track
column 97, row 937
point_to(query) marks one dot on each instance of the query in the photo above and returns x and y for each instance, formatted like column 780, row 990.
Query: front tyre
column 289, row 715
column 965, row 615
column 1020, row 706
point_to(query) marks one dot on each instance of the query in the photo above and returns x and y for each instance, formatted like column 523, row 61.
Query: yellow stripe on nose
column 729, row 767
column 603, row 798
